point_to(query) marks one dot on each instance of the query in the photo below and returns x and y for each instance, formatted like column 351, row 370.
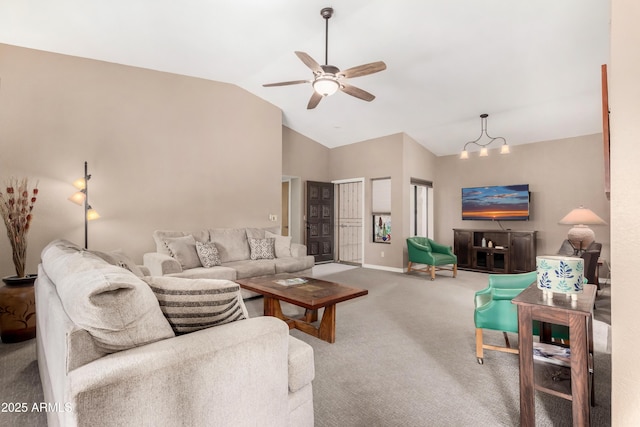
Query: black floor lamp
column 81, row 197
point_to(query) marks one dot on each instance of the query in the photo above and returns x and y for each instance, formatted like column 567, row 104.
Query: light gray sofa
column 176, row 255
column 108, row 356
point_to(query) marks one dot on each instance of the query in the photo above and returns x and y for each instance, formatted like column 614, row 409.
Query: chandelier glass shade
column 326, row 86
column 484, row 151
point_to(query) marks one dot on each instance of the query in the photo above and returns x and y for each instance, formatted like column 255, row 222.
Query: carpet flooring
column 404, row 356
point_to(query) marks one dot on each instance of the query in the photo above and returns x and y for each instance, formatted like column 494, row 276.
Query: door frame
column 295, row 208
column 337, row 218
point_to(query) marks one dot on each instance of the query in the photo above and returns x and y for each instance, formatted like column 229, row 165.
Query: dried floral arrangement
column 16, row 205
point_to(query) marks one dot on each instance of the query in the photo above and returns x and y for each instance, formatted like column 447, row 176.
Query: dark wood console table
column 559, row 310
column 510, row 251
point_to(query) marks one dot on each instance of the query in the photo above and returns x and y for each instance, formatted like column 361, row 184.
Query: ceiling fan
column 327, row 79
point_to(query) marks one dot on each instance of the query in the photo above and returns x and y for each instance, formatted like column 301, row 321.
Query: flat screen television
column 496, row 203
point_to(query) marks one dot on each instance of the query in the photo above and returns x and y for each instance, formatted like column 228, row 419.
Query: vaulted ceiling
column 533, row 66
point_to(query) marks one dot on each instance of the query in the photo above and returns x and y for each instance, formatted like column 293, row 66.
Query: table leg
column 545, row 332
column 525, row 349
column 310, row 316
column 272, row 308
column 327, row 330
column 591, row 365
column 579, row 371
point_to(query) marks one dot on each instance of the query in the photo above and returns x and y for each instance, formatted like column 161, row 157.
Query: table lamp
column 580, row 235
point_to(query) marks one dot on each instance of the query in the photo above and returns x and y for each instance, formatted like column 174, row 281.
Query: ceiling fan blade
column 357, row 92
column 292, row 82
column 309, row 62
column 314, row 101
column 363, row 70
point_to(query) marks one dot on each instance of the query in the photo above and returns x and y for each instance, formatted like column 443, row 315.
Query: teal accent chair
column 494, row 310
column 423, row 250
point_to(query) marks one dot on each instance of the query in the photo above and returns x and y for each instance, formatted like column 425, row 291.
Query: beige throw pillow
column 282, row 243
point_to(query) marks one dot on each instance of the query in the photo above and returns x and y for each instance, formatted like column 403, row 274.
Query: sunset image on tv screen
column 500, row 202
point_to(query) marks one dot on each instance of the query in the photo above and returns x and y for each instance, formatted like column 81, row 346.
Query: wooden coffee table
column 305, row 292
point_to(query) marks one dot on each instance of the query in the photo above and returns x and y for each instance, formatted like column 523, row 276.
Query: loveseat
column 241, row 253
column 112, row 353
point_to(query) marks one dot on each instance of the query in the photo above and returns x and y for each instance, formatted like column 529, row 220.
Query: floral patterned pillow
column 208, row 254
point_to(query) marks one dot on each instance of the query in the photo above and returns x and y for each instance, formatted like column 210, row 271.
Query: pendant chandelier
column 484, row 152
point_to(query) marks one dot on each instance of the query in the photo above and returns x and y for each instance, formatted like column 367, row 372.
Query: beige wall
column 418, row 163
column 303, row 159
column 400, row 158
column 165, row 151
column 562, row 175
column 624, row 104
column 375, row 158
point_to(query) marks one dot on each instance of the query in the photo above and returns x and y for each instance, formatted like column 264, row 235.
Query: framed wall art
column 381, row 228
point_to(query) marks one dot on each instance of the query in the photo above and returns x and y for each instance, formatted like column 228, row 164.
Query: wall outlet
column 273, row 217
column 382, row 254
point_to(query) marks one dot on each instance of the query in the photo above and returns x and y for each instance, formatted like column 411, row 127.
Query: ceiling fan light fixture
column 328, row 79
column 326, row 86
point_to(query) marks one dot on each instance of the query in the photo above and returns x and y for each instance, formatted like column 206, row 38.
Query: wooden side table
column 559, row 310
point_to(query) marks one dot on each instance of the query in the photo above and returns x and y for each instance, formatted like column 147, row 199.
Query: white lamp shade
column 484, row 152
column 92, row 214
column 80, row 184
column 464, row 154
column 582, row 215
column 560, row 274
column 505, row 149
column 77, row 197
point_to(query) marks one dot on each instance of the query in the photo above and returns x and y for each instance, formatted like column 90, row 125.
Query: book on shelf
column 551, row 353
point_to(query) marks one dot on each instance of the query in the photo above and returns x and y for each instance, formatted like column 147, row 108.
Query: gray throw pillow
column 183, row 249
column 120, row 259
column 193, row 304
column 208, row 254
column 262, row 248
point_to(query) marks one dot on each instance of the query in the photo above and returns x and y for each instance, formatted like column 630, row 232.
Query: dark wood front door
column 320, row 220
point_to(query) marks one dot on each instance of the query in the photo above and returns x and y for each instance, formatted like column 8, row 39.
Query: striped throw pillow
column 193, row 304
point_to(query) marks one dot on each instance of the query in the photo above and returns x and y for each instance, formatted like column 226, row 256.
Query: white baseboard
column 385, row 268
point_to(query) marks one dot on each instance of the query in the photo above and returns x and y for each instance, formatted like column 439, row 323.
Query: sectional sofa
column 112, row 351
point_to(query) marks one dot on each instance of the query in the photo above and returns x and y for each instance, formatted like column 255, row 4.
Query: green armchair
column 494, row 310
column 423, row 250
